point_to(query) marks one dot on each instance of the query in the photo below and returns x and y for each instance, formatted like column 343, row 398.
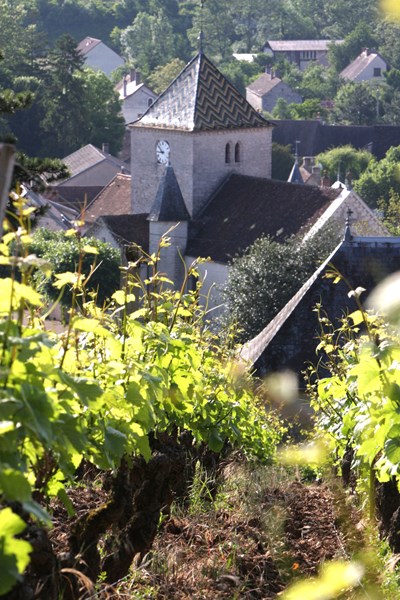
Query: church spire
column 201, row 32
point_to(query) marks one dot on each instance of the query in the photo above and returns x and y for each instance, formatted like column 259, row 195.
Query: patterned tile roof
column 201, row 99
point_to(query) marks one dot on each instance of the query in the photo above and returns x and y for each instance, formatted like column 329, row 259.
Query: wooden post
column 7, row 155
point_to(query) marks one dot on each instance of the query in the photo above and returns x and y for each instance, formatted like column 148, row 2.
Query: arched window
column 237, row 152
column 228, row 153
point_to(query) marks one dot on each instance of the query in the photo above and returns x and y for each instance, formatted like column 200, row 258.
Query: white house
column 368, row 66
column 135, row 96
column 99, row 56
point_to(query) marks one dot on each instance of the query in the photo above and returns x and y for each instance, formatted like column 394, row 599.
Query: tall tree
column 355, row 104
column 64, row 120
column 148, row 42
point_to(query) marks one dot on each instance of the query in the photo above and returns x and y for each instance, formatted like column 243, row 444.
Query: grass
column 233, row 544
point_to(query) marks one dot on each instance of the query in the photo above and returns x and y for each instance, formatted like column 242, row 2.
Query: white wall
column 102, row 58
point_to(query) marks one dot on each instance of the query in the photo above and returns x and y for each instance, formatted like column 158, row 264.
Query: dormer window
column 228, row 157
column 237, row 152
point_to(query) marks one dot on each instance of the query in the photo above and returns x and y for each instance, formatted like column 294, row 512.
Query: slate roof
column 264, row 84
column 359, row 64
column 316, row 137
column 246, row 208
column 114, row 199
column 291, row 337
column 201, row 99
column 87, row 44
column 295, row 175
column 131, row 229
column 86, row 157
column 169, row 204
column 300, row 45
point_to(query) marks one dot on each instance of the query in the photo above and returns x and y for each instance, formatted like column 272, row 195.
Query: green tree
column 240, row 72
column 63, row 254
column 343, row 159
column 362, row 36
column 282, row 161
column 162, row 76
column 380, row 177
column 148, row 42
column 64, row 122
column 102, row 109
column 268, row 274
column 390, row 209
column 318, row 82
column 355, row 104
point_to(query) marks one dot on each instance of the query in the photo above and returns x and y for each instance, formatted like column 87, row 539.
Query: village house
column 135, row 96
column 367, row 66
column 90, row 170
column 99, row 56
column 300, row 52
column 264, row 92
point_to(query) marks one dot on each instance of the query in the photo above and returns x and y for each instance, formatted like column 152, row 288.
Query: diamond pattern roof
column 201, row 99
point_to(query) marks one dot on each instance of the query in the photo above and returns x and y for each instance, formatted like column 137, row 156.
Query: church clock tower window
column 237, row 152
column 228, row 153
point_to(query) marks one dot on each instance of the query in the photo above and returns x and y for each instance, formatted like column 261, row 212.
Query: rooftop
column 87, row 44
column 253, row 213
column 265, row 83
column 201, row 99
column 359, row 64
column 300, row 45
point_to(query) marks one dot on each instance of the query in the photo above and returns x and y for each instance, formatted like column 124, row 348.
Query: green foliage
column 358, row 403
column 355, row 104
column 149, row 41
column 67, row 254
column 380, row 178
column 282, row 161
column 241, row 73
column 114, row 380
column 162, row 76
column 390, row 209
column 14, row 553
column 344, row 159
column 266, row 277
column 362, row 36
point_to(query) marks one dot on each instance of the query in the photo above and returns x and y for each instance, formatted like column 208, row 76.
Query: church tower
column 205, row 129
column 169, row 215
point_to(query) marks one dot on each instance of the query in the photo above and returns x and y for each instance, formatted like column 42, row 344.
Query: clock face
column 162, row 152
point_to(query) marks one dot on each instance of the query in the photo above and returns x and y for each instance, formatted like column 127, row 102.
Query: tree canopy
column 268, row 274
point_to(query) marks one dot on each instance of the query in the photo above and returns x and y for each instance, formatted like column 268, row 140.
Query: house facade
column 300, row 52
column 135, row 96
column 368, row 66
column 99, row 56
column 264, row 92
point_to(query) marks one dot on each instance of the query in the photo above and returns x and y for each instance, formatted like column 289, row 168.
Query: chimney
column 308, row 163
column 316, row 170
column 106, row 148
column 135, row 76
column 325, row 181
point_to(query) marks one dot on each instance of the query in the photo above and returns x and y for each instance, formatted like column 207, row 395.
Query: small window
column 237, row 152
column 377, row 72
column 149, row 102
column 228, row 153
